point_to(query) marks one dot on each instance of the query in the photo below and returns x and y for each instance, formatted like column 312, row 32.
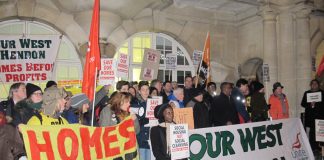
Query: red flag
column 203, row 70
column 93, row 55
column 320, row 68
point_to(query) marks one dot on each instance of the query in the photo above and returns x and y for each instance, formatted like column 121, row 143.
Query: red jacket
column 276, row 109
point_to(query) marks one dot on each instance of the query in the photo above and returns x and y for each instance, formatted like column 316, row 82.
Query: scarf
column 36, row 106
column 167, row 126
column 282, row 101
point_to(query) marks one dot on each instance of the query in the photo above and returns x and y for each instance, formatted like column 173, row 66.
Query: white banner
column 269, row 140
column 123, row 65
column 314, row 97
column 107, row 72
column 170, row 61
column 179, row 138
column 27, row 59
column 151, row 64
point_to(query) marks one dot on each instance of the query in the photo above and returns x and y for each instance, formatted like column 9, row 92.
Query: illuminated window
column 67, row 65
column 135, row 46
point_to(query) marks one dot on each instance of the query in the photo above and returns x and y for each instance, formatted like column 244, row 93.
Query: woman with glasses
column 28, row 107
column 53, row 105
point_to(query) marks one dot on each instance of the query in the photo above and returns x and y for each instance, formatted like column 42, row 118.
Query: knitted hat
column 256, row 86
column 50, row 84
column 276, row 85
column 78, row 100
column 50, row 99
column 195, row 92
column 158, row 110
column 31, row 88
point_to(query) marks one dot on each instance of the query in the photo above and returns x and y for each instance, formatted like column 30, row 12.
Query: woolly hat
column 195, row 92
column 158, row 111
column 78, row 100
column 256, row 86
column 50, row 99
column 50, row 84
column 276, row 85
column 31, row 88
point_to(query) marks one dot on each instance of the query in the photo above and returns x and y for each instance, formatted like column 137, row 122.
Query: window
column 67, row 65
column 135, row 46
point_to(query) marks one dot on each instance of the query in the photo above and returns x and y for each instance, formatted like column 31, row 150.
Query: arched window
column 134, row 47
column 67, row 65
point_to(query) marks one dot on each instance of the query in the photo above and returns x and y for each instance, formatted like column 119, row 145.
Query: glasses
column 38, row 94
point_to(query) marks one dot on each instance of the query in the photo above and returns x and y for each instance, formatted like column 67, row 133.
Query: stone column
column 304, row 65
column 287, row 59
column 270, row 47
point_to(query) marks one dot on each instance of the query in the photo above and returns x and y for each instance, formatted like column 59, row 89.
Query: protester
column 17, row 92
column 50, row 84
column 70, row 113
column 29, row 107
column 52, row 107
column 143, row 136
column 157, row 84
column 122, row 86
column 132, row 91
column 134, row 84
column 258, row 103
column 223, row 111
column 11, row 144
column 80, row 102
column 187, row 89
column 160, row 140
column 153, row 91
column 167, row 91
column 116, row 110
column 174, row 85
column 313, row 110
column 279, row 108
column 210, row 94
column 200, row 110
column 177, row 98
column 238, row 93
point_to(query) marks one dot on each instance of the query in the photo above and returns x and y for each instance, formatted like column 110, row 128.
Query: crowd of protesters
column 242, row 102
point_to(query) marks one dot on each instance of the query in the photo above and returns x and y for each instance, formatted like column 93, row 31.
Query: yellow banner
column 71, row 142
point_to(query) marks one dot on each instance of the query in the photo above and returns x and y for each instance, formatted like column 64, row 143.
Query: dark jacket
column 239, row 101
column 7, row 107
column 143, row 136
column 200, row 113
column 187, row 95
column 208, row 99
column 259, row 107
column 11, row 144
column 158, row 142
column 223, row 110
column 23, row 112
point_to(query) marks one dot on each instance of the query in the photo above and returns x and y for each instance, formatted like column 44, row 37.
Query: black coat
column 200, row 113
column 158, row 143
column 312, row 113
column 259, row 107
column 223, row 110
column 23, row 112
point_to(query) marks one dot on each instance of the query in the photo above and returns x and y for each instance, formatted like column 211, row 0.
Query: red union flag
column 203, row 70
column 320, row 68
column 92, row 62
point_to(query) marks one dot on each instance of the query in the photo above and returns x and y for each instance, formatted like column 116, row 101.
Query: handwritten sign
column 314, row 97
column 107, row 72
column 123, row 65
column 184, row 116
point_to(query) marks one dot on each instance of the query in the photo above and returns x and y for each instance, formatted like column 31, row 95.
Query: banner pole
column 94, row 97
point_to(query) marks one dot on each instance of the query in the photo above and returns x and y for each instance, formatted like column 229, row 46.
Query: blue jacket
column 239, row 101
column 144, row 134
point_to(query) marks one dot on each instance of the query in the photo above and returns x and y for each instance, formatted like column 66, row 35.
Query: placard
column 107, row 73
column 319, row 130
column 179, row 138
column 150, row 65
column 184, row 116
column 170, row 61
column 122, row 65
column 314, row 97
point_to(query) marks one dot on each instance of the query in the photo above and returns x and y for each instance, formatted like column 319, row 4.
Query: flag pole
column 94, row 98
column 202, row 57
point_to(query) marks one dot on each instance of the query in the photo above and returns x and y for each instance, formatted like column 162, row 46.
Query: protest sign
column 319, row 130
column 170, row 61
column 179, row 138
column 107, row 72
column 150, row 65
column 122, row 65
column 273, row 140
column 150, row 106
column 184, row 116
column 27, row 59
column 196, row 57
column 81, row 142
column 314, row 97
